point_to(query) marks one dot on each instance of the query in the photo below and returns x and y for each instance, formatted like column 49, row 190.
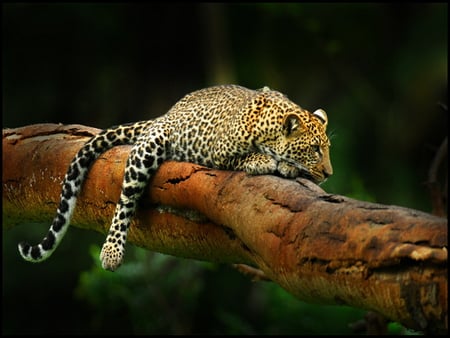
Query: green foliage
column 147, row 294
column 159, row 294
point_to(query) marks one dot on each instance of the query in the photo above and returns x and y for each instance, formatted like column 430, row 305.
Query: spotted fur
column 224, row 127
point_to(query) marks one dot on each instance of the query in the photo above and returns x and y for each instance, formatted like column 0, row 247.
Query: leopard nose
column 327, row 171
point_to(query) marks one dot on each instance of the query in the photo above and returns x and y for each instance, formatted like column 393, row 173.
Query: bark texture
column 321, row 248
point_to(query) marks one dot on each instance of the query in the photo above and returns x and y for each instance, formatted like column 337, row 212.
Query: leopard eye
column 317, row 151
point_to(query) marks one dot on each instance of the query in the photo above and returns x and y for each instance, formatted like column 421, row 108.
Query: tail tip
column 31, row 253
column 24, row 249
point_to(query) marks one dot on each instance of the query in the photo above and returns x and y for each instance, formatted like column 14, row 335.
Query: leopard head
column 293, row 136
column 306, row 145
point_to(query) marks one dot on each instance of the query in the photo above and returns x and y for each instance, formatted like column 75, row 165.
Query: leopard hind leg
column 144, row 159
column 76, row 174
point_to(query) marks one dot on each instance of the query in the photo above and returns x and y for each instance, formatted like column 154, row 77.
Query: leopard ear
column 292, row 125
column 322, row 116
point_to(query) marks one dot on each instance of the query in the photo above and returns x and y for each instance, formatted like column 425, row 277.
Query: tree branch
column 320, row 247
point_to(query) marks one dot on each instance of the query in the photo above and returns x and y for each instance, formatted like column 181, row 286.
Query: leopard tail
column 75, row 176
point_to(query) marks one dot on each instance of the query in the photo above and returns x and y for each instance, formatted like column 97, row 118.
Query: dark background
column 379, row 70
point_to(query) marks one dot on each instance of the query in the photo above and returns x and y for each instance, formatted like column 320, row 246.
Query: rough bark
column 320, row 247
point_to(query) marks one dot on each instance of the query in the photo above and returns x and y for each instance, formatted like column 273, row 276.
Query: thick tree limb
column 320, row 247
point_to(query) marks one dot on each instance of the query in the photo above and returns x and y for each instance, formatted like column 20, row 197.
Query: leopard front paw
column 257, row 164
column 287, row 170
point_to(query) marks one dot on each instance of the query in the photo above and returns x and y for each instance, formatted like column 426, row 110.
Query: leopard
column 225, row 127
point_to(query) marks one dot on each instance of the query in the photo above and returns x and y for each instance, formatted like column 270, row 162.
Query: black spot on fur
column 85, row 160
column 98, row 144
column 149, row 160
column 129, row 205
column 73, row 172
column 138, row 163
column 133, row 173
column 36, row 252
column 142, row 177
column 58, row 223
column 63, row 206
column 129, row 191
column 67, row 191
column 25, row 248
column 111, row 136
column 48, row 241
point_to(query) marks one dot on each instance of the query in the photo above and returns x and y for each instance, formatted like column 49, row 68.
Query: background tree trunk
column 320, row 247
